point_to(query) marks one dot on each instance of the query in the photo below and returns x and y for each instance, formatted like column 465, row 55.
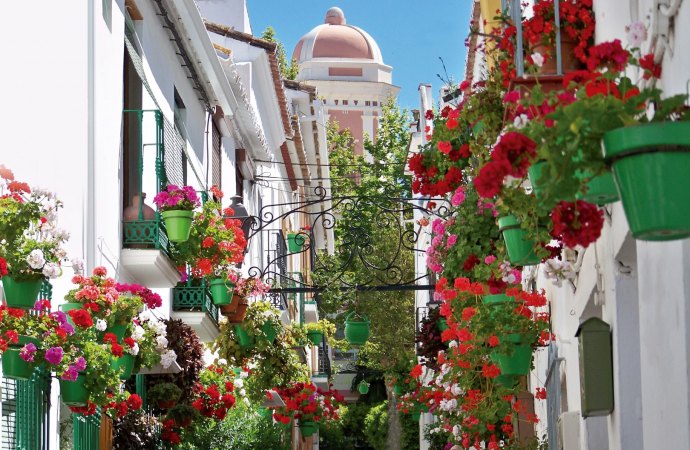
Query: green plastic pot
column 243, row 337
column 124, row 363
column 356, row 331
column 21, row 294
column 508, row 381
column 538, row 181
column 221, row 291
column 363, row 387
column 520, row 249
column 270, row 331
column 118, row 330
column 13, row 366
column 416, row 415
column 519, row 361
column 315, row 337
column 442, row 324
column 67, row 307
column 601, row 190
column 74, row 393
column 650, row 165
column 496, row 299
column 265, row 412
column 397, row 390
column 308, row 428
column 178, row 223
column 295, row 242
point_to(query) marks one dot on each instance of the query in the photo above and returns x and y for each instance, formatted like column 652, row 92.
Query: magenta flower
column 80, row 364
column 54, row 355
column 70, row 374
column 28, row 352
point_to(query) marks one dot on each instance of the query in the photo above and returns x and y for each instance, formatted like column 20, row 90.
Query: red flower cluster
column 81, row 318
column 170, row 432
column 150, row 298
column 610, row 55
column 3, row 267
column 121, row 408
column 211, row 402
column 309, row 403
column 651, row 69
column 512, row 156
column 577, row 223
column 115, row 348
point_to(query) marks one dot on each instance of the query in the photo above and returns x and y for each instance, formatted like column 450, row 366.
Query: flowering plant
column 15, row 322
column 250, row 286
column 149, row 342
column 307, row 403
column 216, row 242
column 31, row 245
column 214, row 393
column 177, row 198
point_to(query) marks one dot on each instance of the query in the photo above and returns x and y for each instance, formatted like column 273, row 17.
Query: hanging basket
column 315, row 337
column 520, row 249
column 74, row 393
column 178, row 224
column 308, row 428
column 363, row 387
column 397, row 390
column 124, row 363
column 221, row 291
column 496, row 299
column 442, row 324
column 296, row 242
column 650, row 165
column 601, row 190
column 356, row 331
column 232, row 308
column 21, row 294
column 519, row 361
column 13, row 366
column 243, row 338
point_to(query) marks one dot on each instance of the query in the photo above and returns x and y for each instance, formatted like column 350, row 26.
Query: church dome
column 335, row 39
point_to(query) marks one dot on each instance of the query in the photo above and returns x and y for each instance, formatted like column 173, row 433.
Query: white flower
column 101, row 325
column 60, row 234
column 36, row 259
column 239, row 383
column 134, row 350
column 51, row 270
column 161, row 342
column 77, row 265
column 520, row 121
column 137, row 333
column 452, row 344
column 244, row 374
column 538, row 59
column 456, row 390
column 456, row 430
column 161, row 329
column 637, row 34
column 246, row 401
column 168, row 358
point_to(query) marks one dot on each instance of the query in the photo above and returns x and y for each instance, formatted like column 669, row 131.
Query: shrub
column 376, row 426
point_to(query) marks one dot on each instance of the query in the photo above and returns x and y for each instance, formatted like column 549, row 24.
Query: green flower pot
column 124, row 365
column 243, row 338
column 519, row 361
column 74, row 393
column 442, row 324
column 296, row 242
column 118, row 330
column 308, row 428
column 315, row 337
column 270, row 331
column 21, row 294
column 601, row 190
column 67, row 307
column 508, row 381
column 265, row 412
column 416, row 415
column 496, row 299
column 539, row 181
column 650, row 165
column 221, row 291
column 363, row 387
column 178, row 223
column 398, row 390
column 13, row 366
column 356, row 331
column 520, row 249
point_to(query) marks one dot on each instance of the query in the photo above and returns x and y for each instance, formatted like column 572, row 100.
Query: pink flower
column 458, row 197
column 28, row 352
column 489, row 259
column 54, row 355
column 452, row 239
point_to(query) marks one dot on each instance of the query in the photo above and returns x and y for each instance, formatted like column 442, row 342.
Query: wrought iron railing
column 188, row 297
column 275, row 253
column 324, row 359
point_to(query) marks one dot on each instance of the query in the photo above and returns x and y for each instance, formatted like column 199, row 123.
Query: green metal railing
column 151, row 232
column 86, row 431
column 187, row 297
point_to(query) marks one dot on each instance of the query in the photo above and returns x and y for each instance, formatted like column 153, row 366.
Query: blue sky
column 411, row 35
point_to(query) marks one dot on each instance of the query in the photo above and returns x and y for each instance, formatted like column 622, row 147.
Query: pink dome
column 336, row 39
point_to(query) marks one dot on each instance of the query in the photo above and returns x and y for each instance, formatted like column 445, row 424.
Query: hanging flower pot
column 308, row 428
column 398, row 390
column 178, row 223
column 265, row 412
column 270, row 331
column 295, row 242
column 416, row 415
column 356, row 328
column 363, row 387
column 74, row 393
column 442, row 324
column 21, row 294
column 124, row 363
column 13, row 366
column 236, row 316
column 496, row 299
column 315, row 337
column 231, row 308
column 520, row 249
column 601, row 190
column 243, row 338
column 221, row 291
column 118, row 330
column 519, row 361
column 650, row 165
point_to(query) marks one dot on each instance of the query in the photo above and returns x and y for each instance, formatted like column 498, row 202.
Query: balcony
column 193, row 305
column 321, row 376
column 153, row 157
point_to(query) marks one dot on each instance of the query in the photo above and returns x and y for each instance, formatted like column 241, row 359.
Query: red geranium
column 577, row 223
column 81, row 318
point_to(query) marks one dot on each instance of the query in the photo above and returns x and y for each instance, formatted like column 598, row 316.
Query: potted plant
column 164, row 395
column 317, row 330
column 31, row 247
column 176, row 205
column 357, row 328
column 363, row 387
column 245, row 288
column 182, row 414
column 214, row 394
column 297, row 239
column 309, row 405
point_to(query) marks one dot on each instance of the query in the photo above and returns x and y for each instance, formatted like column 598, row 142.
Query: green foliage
column 332, row 435
column 242, row 429
column 409, row 439
column 436, row 436
column 376, row 426
column 136, row 430
column 164, row 392
column 288, row 71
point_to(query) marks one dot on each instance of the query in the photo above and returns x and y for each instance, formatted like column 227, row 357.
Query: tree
column 288, row 71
